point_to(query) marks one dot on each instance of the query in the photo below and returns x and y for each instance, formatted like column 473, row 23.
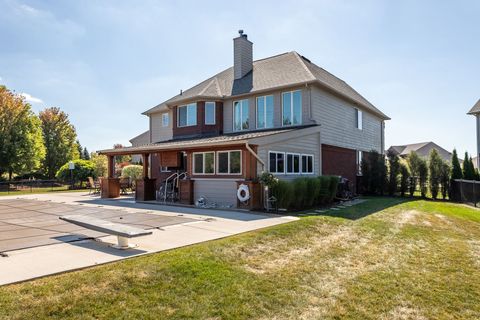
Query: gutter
column 255, row 155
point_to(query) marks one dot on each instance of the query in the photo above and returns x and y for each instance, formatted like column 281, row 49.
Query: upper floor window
column 204, row 163
column 229, row 162
column 187, row 115
column 359, row 119
column 165, row 119
column 240, row 115
column 292, row 108
column 209, row 112
column 265, row 112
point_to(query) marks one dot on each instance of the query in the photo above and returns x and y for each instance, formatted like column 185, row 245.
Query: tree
column 21, row 145
column 120, row 159
column 133, row 172
column 413, row 161
column 404, row 177
column 79, row 148
column 83, row 170
column 100, row 163
column 445, row 179
column 59, row 137
column 394, row 170
column 435, row 168
column 374, row 173
column 423, row 177
column 468, row 169
column 456, row 169
column 85, row 154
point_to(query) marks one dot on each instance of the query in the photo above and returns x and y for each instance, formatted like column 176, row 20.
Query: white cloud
column 30, row 98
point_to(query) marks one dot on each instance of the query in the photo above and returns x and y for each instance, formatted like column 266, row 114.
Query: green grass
column 386, row 258
column 40, row 190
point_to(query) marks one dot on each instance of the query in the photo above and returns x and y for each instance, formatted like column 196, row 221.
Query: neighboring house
column 422, row 149
column 475, row 111
column 281, row 114
column 140, row 140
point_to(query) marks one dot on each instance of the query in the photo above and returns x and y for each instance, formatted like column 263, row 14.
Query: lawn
column 64, row 188
column 383, row 259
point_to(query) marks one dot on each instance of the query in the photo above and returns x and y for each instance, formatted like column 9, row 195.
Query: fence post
column 474, row 195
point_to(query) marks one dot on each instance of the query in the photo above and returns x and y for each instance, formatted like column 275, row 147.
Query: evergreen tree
column 393, row 172
column 413, row 161
column 423, row 177
column 85, row 154
column 79, row 149
column 468, row 169
column 456, row 169
column 445, row 179
column 435, row 168
column 404, row 177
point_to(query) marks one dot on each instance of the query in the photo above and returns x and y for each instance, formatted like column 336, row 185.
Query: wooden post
column 111, row 166
column 145, row 165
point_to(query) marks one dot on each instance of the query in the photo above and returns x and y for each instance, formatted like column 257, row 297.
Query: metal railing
column 28, row 185
column 466, row 191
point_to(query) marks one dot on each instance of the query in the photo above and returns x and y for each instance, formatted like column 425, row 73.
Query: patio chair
column 93, row 186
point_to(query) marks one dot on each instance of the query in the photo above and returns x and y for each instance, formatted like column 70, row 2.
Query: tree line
column 35, row 145
column 394, row 175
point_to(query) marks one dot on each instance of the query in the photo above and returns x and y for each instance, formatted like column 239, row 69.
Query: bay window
column 210, row 113
column 187, row 115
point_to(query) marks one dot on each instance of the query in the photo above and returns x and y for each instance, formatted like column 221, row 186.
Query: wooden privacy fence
column 466, row 191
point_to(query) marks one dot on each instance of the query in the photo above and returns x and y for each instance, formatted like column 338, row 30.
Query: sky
column 105, row 62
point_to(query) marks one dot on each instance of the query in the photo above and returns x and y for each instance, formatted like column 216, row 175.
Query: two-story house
column 281, row 114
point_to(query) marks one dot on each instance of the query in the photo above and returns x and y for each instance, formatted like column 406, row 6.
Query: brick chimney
column 242, row 55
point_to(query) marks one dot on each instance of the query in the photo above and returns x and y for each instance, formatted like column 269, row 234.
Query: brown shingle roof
column 184, row 143
column 475, row 109
column 283, row 70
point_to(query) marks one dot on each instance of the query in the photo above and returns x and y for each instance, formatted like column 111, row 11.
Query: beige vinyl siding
column 277, row 106
column 220, row 191
column 338, row 123
column 309, row 144
column 139, row 141
column 158, row 132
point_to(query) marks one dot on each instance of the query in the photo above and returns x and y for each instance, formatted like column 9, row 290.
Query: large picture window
column 265, row 112
column 210, row 113
column 204, row 163
column 240, row 115
column 229, row 162
column 276, row 162
column 187, row 115
column 292, row 108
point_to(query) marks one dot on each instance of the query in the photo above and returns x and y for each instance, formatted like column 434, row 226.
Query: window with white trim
column 292, row 108
column 265, row 112
column 307, row 163
column 240, row 115
column 165, row 119
column 276, row 162
column 293, row 163
column 359, row 119
column 229, row 162
column 359, row 162
column 187, row 115
column 204, row 163
column 209, row 112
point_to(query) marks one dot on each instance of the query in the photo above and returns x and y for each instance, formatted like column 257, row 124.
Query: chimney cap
column 242, row 35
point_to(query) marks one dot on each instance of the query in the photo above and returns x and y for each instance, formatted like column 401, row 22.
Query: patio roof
column 223, row 140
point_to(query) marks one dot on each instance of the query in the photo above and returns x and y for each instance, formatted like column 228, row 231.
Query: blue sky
column 105, row 62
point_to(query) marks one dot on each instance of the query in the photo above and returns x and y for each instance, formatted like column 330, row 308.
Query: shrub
column 83, row 170
column 301, row 193
column 133, row 172
column 283, row 192
column 332, row 188
column 394, row 171
column 101, row 164
column 374, row 173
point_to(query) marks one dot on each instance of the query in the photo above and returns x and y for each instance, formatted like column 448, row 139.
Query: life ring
column 243, row 194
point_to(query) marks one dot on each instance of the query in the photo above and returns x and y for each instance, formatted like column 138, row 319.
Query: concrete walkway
column 21, row 265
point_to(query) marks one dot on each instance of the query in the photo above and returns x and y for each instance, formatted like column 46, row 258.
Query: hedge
column 304, row 193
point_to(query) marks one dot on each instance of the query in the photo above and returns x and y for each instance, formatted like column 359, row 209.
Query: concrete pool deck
column 193, row 226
